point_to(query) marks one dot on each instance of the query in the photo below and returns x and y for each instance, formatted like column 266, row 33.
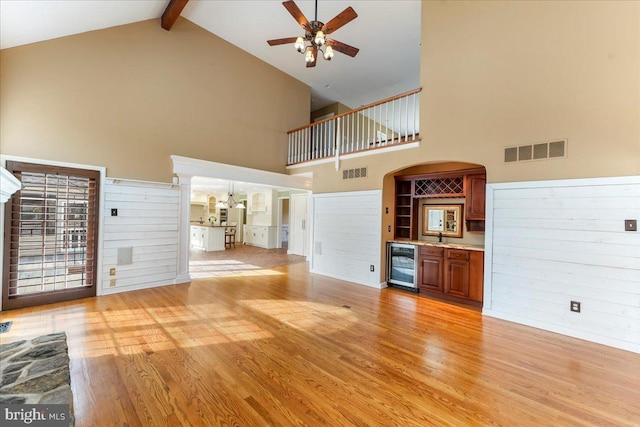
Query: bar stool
column 230, row 235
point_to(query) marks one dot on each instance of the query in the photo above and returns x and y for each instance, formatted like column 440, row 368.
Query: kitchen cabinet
column 475, row 191
column 211, row 203
column 475, row 194
column 412, row 190
column 431, row 268
column 262, row 236
column 207, row 238
column 452, row 274
column 456, row 277
column 258, row 202
column 263, row 208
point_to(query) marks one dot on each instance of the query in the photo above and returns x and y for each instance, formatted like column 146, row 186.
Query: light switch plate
column 630, row 225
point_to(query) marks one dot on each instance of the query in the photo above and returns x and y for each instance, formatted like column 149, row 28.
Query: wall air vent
column 354, row 173
column 511, row 154
column 545, row 150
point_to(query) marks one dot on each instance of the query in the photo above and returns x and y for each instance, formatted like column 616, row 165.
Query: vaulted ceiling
column 387, row 32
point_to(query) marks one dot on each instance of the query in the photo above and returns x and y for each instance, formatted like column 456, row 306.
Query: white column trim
column 488, row 249
column 182, row 268
column 9, row 184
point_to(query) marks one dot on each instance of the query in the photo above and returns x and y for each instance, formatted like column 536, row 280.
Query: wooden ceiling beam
column 171, row 13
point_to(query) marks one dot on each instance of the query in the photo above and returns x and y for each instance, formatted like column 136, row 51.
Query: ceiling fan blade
column 341, row 19
column 343, row 47
column 276, row 42
column 297, row 14
column 315, row 55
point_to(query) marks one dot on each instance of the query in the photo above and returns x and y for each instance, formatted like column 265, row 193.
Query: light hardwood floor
column 282, row 349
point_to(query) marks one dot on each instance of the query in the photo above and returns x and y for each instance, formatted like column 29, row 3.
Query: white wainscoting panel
column 552, row 242
column 346, row 236
column 147, row 222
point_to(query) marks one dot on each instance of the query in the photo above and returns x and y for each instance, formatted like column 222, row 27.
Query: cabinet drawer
column 431, row 250
column 460, row 254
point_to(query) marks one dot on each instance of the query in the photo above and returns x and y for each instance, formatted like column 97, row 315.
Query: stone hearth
column 36, row 371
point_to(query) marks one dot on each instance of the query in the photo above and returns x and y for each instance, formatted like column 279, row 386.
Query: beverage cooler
column 402, row 266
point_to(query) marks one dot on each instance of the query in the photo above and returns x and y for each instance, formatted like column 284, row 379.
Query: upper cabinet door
column 475, row 189
column 258, row 202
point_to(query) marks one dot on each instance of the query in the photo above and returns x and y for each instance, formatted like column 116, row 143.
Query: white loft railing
column 390, row 122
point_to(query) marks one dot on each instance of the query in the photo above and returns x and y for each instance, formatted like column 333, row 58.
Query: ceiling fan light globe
column 308, row 57
column 299, row 45
column 328, row 53
column 319, row 40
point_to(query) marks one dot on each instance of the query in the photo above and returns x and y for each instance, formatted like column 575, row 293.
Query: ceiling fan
column 315, row 37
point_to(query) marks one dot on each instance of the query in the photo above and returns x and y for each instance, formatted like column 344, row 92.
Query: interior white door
column 299, row 225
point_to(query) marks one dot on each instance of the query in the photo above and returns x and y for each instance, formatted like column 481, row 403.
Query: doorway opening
column 283, row 222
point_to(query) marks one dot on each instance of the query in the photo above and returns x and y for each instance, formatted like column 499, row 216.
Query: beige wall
column 503, row 73
column 499, row 73
column 494, row 74
column 335, row 108
column 128, row 97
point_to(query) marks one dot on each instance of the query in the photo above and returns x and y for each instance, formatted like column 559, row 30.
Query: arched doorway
column 436, row 212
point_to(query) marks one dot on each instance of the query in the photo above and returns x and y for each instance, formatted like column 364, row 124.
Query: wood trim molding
column 171, row 13
column 444, row 174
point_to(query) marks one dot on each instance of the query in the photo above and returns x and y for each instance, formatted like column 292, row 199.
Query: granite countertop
column 466, row 246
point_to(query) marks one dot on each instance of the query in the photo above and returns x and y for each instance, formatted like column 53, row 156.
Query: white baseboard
column 598, row 339
column 182, row 278
column 370, row 285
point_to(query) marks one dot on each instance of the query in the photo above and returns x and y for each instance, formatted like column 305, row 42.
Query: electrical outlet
column 575, row 306
column 112, row 282
column 112, row 272
column 371, row 268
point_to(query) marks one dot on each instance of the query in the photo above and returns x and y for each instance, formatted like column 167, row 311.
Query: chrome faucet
column 202, row 221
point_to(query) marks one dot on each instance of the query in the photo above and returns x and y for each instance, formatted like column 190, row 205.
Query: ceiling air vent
column 354, row 173
column 545, row 150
